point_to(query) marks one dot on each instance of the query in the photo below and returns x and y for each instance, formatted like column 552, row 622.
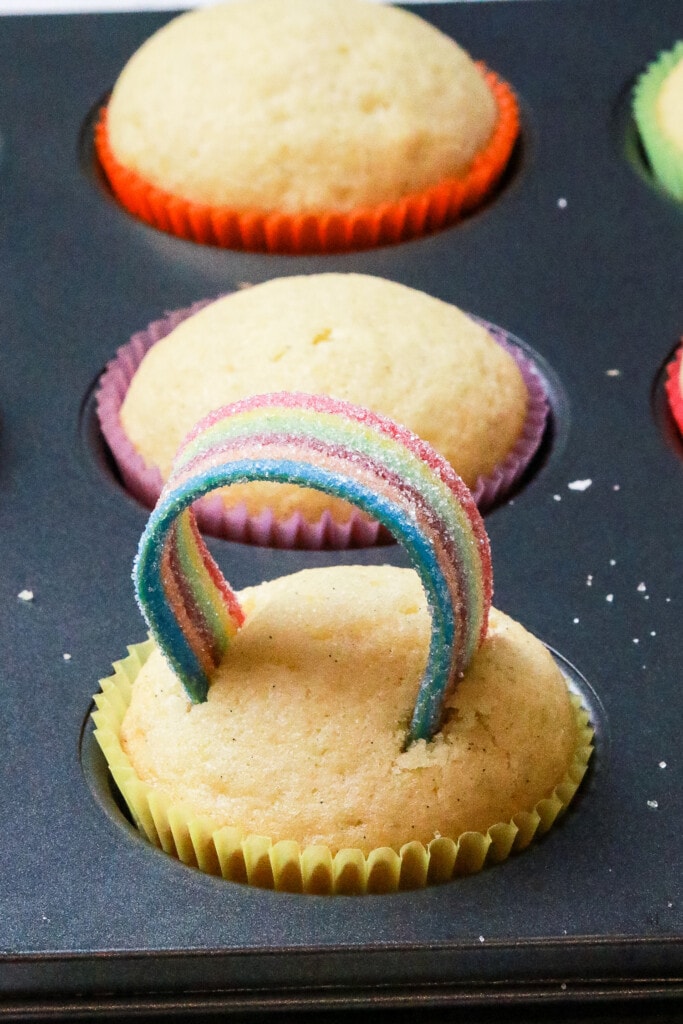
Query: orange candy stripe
column 334, row 231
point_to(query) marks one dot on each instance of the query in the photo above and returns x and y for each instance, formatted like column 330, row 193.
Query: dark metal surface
column 94, row 919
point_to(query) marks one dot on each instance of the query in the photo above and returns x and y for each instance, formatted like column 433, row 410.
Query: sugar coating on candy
column 345, row 450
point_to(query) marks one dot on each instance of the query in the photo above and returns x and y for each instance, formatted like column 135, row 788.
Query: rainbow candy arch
column 347, row 451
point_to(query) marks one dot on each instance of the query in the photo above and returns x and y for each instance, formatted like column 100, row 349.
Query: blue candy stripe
column 381, row 449
column 162, row 622
column 433, row 491
column 439, row 672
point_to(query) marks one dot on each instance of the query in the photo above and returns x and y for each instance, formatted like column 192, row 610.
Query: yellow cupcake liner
column 257, row 860
column 666, row 159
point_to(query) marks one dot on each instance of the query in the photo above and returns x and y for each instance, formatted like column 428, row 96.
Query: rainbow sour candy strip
column 344, row 450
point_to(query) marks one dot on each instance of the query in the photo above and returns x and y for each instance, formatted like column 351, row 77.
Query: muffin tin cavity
column 87, row 157
column 93, row 449
column 100, row 782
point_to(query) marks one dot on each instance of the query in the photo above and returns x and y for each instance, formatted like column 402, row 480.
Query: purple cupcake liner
column 145, row 483
column 490, row 489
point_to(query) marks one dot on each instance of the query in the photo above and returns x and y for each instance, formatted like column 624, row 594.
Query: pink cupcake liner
column 144, row 482
column 490, row 489
column 673, row 387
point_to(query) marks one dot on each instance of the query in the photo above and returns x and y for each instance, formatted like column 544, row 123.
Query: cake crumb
column 653, row 632
column 579, row 485
column 575, row 620
column 562, row 203
column 589, row 579
column 616, row 487
column 613, row 373
column 641, row 588
column 609, row 598
column 66, row 656
column 662, row 764
column 25, row 595
column 636, row 640
column 654, row 804
column 612, row 561
column 557, row 497
column 482, row 939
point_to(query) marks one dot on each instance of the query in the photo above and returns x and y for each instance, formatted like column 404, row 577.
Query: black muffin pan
column 580, row 255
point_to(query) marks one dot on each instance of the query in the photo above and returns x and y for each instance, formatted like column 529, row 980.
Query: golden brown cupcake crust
column 299, row 105
column 370, row 341
column 302, row 735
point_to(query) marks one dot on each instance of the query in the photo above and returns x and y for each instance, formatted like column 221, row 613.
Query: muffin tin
column 580, row 256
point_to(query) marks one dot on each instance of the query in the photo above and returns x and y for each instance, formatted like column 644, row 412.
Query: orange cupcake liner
column 333, row 231
column 674, row 390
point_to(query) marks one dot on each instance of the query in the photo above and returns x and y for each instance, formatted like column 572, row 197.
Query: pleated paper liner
column 674, row 387
column 665, row 158
column 144, row 482
column 284, row 866
column 332, row 231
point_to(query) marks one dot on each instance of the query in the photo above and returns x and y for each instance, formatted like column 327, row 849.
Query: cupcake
column 658, row 111
column 674, row 386
column 303, row 126
column 348, row 729
column 374, row 342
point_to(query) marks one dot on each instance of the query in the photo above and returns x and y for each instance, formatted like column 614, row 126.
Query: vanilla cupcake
column 658, row 110
column 303, row 125
column 374, row 342
column 302, row 734
column 348, row 729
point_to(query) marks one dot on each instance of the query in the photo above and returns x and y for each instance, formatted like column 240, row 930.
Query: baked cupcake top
column 303, row 731
column 299, row 105
column 363, row 339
